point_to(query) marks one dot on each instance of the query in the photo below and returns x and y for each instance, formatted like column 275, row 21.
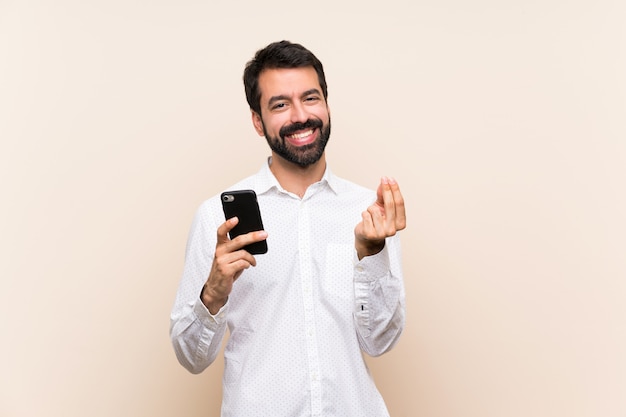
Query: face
column 294, row 115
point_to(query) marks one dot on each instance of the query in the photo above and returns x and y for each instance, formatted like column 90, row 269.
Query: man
column 330, row 285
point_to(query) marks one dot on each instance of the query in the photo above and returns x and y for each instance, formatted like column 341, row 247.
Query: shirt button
column 359, row 268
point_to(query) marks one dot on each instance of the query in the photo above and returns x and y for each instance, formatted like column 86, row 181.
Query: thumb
column 380, row 200
column 227, row 226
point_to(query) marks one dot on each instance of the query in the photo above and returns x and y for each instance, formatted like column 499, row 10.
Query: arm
column 378, row 283
column 198, row 320
column 379, row 315
column 197, row 335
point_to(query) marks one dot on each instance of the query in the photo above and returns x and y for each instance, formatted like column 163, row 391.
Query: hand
column 381, row 220
column 229, row 262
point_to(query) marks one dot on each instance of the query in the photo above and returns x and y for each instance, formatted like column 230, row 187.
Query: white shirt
column 299, row 320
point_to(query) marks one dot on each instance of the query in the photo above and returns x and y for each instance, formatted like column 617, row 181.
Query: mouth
column 303, row 137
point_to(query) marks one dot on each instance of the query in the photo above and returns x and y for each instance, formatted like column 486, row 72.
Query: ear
column 257, row 122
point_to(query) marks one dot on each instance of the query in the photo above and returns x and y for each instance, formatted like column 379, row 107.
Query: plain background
column 503, row 121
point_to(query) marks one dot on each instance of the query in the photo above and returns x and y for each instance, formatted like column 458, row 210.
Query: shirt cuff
column 373, row 267
column 209, row 320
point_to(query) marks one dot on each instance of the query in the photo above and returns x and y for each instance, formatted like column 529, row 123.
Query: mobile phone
column 244, row 205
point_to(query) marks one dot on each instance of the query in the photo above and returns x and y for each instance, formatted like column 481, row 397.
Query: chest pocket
column 338, row 277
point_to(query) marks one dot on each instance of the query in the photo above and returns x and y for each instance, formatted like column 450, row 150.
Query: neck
column 294, row 178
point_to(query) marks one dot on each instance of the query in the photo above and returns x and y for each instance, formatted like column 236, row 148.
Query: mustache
column 293, row 128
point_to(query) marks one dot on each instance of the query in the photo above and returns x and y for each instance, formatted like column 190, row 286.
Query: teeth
column 301, row 135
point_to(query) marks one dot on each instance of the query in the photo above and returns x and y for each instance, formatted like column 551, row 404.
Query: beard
column 304, row 155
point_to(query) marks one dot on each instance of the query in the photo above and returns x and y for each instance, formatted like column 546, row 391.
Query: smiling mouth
column 301, row 138
column 301, row 135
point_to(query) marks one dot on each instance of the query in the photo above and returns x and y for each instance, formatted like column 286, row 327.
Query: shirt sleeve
column 379, row 296
column 196, row 334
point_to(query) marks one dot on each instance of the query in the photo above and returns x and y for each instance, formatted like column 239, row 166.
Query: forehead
column 287, row 82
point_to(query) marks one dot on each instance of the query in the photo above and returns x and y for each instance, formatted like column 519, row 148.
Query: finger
column 227, row 226
column 246, row 239
column 365, row 227
column 378, row 223
column 240, row 259
column 243, row 263
column 380, row 200
column 379, row 192
column 230, row 264
column 368, row 223
column 400, row 211
column 390, row 207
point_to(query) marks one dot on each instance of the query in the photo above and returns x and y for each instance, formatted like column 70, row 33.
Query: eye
column 279, row 106
column 311, row 99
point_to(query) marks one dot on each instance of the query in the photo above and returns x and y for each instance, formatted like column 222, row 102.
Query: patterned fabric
column 299, row 320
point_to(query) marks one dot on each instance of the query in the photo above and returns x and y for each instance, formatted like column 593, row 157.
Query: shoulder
column 351, row 190
column 247, row 183
column 212, row 206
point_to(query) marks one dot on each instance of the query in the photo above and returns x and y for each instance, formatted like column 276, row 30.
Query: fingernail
column 392, row 180
column 385, row 180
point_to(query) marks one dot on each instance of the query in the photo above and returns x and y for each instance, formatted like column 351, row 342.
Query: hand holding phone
column 243, row 204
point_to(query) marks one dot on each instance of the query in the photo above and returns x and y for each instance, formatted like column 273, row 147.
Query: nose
column 298, row 113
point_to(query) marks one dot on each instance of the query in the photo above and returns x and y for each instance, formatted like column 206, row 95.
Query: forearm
column 197, row 335
column 379, row 301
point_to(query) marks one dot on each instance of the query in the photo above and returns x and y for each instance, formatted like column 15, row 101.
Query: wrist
column 210, row 301
column 369, row 248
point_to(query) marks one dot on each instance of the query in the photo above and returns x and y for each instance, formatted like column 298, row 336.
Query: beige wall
column 503, row 121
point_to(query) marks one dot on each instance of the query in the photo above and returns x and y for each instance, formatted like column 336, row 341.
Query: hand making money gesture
column 382, row 219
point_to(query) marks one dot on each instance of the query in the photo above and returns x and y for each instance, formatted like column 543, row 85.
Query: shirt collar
column 265, row 179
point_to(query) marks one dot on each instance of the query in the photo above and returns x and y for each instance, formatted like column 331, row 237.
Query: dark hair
column 283, row 54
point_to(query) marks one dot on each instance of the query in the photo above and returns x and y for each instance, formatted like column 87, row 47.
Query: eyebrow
column 285, row 97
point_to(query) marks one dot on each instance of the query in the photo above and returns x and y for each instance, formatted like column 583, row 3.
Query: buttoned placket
column 306, row 280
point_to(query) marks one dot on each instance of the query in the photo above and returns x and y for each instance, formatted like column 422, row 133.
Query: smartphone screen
column 244, row 205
